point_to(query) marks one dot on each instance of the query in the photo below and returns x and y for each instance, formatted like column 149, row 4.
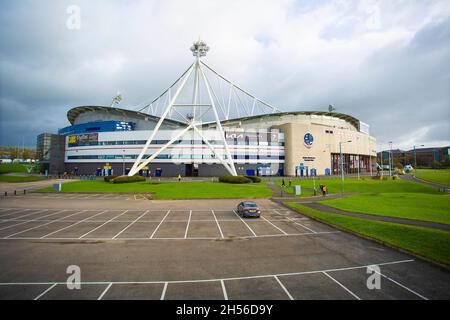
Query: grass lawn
column 172, row 190
column 12, row 167
column 367, row 185
column 429, row 243
column 425, row 207
column 441, row 176
column 4, row 178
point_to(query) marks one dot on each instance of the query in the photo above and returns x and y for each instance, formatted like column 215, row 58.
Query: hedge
column 128, row 179
column 233, row 179
column 254, row 178
column 109, row 178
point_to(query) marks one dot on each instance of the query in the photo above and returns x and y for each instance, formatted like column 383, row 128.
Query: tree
column 26, row 154
column 14, row 154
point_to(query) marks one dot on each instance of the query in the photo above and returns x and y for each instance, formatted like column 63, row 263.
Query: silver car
column 248, row 209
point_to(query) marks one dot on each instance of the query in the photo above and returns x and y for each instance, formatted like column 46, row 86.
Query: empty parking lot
column 194, row 250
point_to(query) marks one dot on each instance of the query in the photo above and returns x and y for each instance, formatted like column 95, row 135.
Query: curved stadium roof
column 73, row 113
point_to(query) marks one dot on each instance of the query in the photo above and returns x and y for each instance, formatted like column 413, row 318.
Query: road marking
column 163, row 293
column 133, row 222
column 399, row 284
column 26, row 221
column 284, row 288
column 245, row 223
column 274, row 225
column 45, row 291
column 42, row 225
column 340, row 284
column 96, row 228
column 218, row 225
column 74, row 224
column 187, row 226
column 151, row 237
column 104, row 291
column 293, row 221
column 224, row 290
column 14, row 212
column 212, row 280
column 26, row 215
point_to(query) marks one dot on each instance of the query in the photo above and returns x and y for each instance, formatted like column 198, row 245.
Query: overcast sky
column 386, row 63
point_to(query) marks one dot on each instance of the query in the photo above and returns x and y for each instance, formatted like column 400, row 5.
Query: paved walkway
column 21, row 186
column 427, row 224
column 410, row 177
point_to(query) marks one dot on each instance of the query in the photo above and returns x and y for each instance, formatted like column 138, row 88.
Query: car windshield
column 250, row 204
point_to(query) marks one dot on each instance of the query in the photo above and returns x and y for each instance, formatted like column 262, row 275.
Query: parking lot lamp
column 342, row 164
column 390, row 159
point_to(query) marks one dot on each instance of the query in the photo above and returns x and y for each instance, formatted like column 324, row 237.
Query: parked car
column 248, row 209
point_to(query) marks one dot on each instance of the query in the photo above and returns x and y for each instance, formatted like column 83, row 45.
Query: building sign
column 308, row 140
column 252, row 136
column 309, row 158
column 82, row 138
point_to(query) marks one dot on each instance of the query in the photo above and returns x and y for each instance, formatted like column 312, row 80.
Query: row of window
column 176, row 156
column 178, row 142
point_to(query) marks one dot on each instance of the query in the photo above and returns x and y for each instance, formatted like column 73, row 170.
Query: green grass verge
column 441, row 176
column 12, row 167
column 425, row 207
column 426, row 242
column 172, row 190
column 366, row 185
column 13, row 179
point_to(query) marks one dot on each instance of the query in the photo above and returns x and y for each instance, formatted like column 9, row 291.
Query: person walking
column 324, row 190
column 283, row 184
column 179, row 177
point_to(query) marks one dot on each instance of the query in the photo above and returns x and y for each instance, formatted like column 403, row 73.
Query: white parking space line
column 251, row 230
column 298, row 223
column 26, row 215
column 187, row 226
column 274, row 225
column 210, row 280
column 218, row 225
column 154, row 232
column 105, row 291
column 163, row 293
column 42, row 225
column 224, row 290
column 342, row 286
column 96, row 228
column 74, row 224
column 45, row 291
column 284, row 288
column 133, row 222
column 14, row 212
column 399, row 284
column 26, row 221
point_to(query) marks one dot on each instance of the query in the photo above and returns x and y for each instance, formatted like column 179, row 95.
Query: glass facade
column 350, row 163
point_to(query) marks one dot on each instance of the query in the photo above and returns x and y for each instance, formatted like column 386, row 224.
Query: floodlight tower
column 193, row 121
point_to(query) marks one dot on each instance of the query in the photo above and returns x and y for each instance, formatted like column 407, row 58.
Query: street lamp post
column 123, row 162
column 342, row 164
column 390, row 159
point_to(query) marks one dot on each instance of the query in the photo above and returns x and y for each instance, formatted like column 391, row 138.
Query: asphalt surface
column 134, row 248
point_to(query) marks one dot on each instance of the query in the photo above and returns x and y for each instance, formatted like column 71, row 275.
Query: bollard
column 15, row 192
column 6, row 193
column 24, row 191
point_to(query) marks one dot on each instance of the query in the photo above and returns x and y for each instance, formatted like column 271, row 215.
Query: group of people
column 322, row 187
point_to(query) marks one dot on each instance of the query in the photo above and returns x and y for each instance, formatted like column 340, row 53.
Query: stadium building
column 205, row 125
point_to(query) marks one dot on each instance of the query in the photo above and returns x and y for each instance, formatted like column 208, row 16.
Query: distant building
column 424, row 156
